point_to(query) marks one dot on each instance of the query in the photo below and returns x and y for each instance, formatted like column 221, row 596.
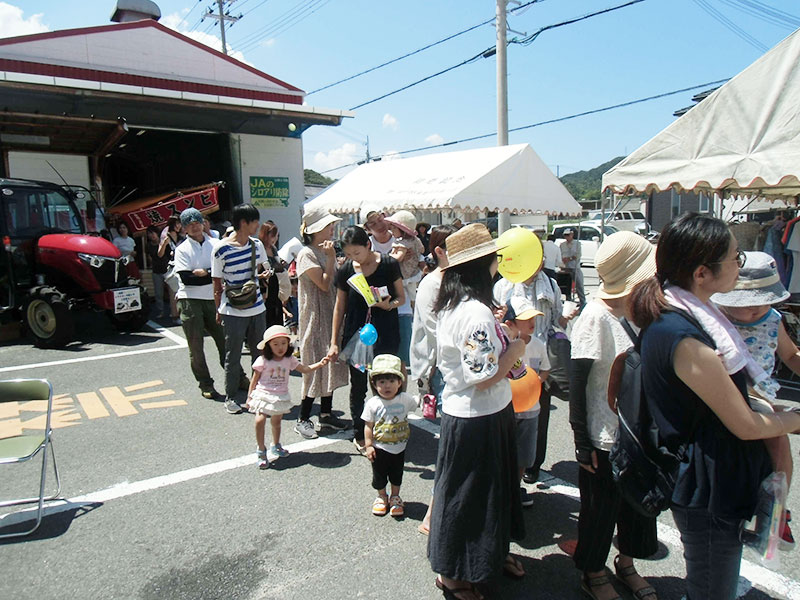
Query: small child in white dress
column 386, row 431
column 268, row 395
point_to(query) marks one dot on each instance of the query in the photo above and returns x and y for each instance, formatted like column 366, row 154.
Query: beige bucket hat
column 623, row 260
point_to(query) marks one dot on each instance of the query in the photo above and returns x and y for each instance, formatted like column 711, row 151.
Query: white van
column 588, row 233
column 624, row 220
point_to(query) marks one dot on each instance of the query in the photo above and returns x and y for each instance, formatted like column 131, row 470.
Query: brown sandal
column 623, row 573
column 587, row 583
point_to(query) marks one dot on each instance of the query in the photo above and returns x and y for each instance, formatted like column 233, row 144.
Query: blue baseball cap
column 191, row 215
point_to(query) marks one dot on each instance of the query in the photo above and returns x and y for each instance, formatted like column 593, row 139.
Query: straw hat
column 404, row 221
column 386, row 364
column 273, row 332
column 623, row 260
column 468, row 243
column 315, row 219
column 759, row 284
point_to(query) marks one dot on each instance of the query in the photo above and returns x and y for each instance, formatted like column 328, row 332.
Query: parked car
column 588, row 233
column 624, row 220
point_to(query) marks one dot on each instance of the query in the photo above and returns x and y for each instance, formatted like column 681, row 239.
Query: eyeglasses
column 740, row 259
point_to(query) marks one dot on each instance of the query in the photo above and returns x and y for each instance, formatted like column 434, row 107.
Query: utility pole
column 503, row 217
column 222, row 16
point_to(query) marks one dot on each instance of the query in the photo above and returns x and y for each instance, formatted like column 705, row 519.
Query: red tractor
column 56, row 263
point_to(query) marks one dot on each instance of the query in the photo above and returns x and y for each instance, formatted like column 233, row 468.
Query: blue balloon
column 368, row 334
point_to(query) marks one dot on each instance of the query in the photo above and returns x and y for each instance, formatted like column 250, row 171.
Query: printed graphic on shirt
column 479, row 354
column 236, row 266
column 392, row 426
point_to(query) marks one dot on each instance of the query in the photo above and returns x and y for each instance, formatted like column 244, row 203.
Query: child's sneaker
column 263, row 463
column 379, row 507
column 396, row 505
column 786, row 541
column 305, row 429
column 277, row 451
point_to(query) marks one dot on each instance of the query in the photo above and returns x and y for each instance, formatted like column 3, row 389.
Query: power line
column 186, row 16
column 765, row 13
column 527, row 40
column 492, row 49
column 291, row 17
column 418, row 50
column 549, row 121
column 731, row 25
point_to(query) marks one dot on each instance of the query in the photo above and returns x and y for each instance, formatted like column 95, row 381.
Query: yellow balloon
column 519, row 255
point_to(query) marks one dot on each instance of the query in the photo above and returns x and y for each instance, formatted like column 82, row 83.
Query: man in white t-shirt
column 375, row 224
column 236, row 261
column 195, row 296
column 551, row 253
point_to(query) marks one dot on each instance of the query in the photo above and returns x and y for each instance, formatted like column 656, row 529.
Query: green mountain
column 585, row 185
column 311, row 177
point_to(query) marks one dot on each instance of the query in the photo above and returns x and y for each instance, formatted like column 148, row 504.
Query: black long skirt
column 476, row 509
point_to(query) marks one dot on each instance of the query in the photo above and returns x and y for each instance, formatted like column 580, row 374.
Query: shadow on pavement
column 322, row 460
column 53, row 525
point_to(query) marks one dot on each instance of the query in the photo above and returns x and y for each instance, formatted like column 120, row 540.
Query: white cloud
column 267, row 43
column 12, row 23
column 390, row 122
column 346, row 154
column 391, row 155
column 434, row 139
column 174, row 21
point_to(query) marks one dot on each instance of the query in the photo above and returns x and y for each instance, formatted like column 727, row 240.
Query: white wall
column 33, row 165
column 265, row 156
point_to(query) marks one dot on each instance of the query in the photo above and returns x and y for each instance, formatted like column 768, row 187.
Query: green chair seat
column 19, row 447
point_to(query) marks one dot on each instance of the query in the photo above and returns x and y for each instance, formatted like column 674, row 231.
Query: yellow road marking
column 118, row 402
column 141, row 386
column 92, row 405
column 163, row 404
column 9, row 409
column 10, row 428
column 149, row 395
column 61, row 418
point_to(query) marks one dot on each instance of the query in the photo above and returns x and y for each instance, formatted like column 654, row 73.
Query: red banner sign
column 206, row 201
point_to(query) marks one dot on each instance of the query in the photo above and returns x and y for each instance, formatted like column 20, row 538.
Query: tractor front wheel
column 48, row 318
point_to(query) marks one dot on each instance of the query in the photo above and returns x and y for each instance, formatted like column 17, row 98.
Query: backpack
column 644, row 470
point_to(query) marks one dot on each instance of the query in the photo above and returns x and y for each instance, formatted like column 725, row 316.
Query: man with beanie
column 196, row 307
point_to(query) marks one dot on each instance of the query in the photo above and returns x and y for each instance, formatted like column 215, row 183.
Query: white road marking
column 770, row 581
column 178, row 339
column 180, row 343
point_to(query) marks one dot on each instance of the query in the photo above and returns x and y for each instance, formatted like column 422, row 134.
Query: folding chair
column 21, row 448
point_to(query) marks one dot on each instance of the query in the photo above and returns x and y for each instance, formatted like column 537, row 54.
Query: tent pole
column 503, row 216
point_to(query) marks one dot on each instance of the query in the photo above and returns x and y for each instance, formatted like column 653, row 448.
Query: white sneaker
column 275, row 452
column 305, row 429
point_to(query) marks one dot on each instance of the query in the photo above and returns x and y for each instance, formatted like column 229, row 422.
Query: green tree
column 311, row 177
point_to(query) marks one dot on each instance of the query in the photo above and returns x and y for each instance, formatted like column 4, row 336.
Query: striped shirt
column 231, row 263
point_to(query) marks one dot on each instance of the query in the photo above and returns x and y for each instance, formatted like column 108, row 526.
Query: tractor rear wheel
column 48, row 318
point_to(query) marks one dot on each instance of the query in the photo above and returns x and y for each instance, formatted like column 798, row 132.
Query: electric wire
column 418, row 50
column 547, row 122
column 492, row 49
column 527, row 40
column 186, row 16
column 291, row 17
column 731, row 25
column 765, row 13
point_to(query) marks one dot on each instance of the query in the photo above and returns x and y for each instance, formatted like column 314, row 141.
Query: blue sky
column 649, row 48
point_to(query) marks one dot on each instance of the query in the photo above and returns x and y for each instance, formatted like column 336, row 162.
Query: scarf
column 730, row 346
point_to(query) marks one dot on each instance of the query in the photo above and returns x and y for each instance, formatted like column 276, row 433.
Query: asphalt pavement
column 162, row 497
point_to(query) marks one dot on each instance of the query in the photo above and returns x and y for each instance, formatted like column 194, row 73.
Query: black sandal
column 587, row 583
column 624, row 572
column 512, row 567
column 453, row 592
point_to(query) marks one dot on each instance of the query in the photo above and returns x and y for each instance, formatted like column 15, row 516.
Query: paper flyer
column 358, row 282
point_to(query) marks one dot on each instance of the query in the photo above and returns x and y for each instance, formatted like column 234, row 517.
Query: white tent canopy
column 511, row 178
column 744, row 139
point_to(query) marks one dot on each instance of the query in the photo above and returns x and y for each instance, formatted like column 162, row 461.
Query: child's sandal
column 396, row 509
column 379, row 507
